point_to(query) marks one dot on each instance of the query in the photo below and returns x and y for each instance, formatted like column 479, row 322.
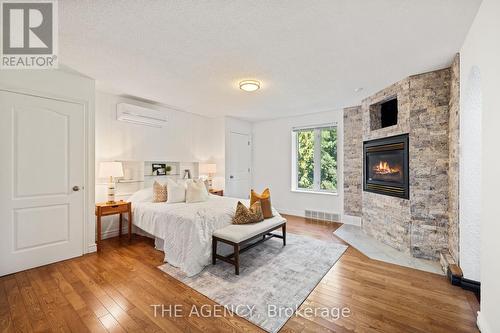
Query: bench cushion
column 240, row 232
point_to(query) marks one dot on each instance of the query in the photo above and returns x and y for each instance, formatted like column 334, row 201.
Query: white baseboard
column 293, row 212
column 349, row 219
column 482, row 324
column 302, row 213
column 114, row 232
column 92, row 248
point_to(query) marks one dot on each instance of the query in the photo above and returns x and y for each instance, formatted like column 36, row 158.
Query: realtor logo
column 29, row 34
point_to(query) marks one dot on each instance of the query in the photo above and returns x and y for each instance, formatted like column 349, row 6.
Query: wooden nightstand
column 217, row 192
column 106, row 209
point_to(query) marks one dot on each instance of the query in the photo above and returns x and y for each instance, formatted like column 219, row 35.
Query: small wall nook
column 384, row 113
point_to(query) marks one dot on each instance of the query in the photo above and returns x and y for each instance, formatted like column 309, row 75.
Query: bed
column 184, row 230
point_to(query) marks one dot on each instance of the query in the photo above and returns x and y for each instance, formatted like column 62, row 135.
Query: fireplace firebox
column 386, row 166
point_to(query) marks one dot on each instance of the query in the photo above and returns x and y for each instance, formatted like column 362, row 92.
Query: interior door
column 239, row 165
column 41, row 181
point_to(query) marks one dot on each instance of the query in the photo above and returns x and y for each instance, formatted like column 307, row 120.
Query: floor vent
column 323, row 216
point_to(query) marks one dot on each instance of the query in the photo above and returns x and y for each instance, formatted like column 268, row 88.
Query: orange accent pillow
column 265, row 202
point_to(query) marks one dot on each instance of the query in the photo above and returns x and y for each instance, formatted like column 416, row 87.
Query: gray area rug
column 273, row 281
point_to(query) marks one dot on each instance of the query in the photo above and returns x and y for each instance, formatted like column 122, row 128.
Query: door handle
column 76, row 188
column 231, row 177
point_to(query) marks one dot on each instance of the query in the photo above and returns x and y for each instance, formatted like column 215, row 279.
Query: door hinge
column 249, row 143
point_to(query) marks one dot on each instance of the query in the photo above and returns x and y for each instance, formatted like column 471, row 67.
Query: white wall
column 481, row 49
column 185, row 138
column 272, row 162
column 470, row 173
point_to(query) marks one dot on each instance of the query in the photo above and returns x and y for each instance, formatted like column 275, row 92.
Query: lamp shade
column 208, row 168
column 110, row 169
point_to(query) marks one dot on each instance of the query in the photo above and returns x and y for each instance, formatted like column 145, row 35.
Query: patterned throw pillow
column 246, row 215
column 159, row 192
column 265, row 201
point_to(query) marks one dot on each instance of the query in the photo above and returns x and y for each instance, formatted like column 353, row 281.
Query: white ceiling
column 309, row 55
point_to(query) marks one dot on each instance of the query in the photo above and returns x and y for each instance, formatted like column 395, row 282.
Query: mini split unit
column 139, row 115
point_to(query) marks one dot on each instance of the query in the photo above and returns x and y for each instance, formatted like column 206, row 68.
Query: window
column 314, row 155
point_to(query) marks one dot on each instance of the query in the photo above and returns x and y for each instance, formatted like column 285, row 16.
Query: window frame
column 316, row 160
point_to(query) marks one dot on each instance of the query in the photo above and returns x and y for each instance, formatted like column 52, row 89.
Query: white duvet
column 185, row 228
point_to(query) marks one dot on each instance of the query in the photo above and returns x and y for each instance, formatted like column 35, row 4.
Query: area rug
column 273, row 281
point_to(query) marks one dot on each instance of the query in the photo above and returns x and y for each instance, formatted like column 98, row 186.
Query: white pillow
column 196, row 192
column 201, row 181
column 176, row 191
column 145, row 195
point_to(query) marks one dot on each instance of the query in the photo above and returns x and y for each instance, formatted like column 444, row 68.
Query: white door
column 239, row 165
column 41, row 160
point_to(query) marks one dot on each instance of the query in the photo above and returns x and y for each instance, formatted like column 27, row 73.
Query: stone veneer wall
column 454, row 136
column 353, row 161
column 418, row 225
column 429, row 157
column 388, row 218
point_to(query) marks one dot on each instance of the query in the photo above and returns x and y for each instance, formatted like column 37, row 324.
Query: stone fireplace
column 397, row 165
column 385, row 164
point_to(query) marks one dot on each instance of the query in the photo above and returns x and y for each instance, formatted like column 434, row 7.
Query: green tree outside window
column 305, row 159
column 317, row 159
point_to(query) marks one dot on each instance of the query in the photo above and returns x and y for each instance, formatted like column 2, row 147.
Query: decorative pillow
column 201, row 180
column 159, row 192
column 244, row 215
column 196, row 192
column 176, row 191
column 265, row 202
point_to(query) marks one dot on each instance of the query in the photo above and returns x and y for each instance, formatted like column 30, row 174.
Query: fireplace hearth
column 386, row 166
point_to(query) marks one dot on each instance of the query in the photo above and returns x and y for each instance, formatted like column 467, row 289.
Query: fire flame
column 383, row 168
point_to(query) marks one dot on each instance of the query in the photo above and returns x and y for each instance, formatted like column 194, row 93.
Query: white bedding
column 186, row 228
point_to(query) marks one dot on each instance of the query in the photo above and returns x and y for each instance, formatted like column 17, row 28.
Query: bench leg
column 237, row 259
column 283, row 230
column 214, row 250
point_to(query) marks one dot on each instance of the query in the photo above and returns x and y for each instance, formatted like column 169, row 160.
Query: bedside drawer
column 114, row 209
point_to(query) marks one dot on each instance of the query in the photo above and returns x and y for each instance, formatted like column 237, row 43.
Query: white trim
column 91, row 248
column 314, row 192
column 482, row 324
column 114, row 232
column 293, row 212
column 349, row 219
column 302, row 213
column 317, row 160
column 307, row 127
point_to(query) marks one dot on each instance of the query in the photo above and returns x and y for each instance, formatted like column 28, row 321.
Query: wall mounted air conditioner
column 140, row 115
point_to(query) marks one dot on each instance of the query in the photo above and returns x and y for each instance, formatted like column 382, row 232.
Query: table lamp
column 208, row 169
column 111, row 170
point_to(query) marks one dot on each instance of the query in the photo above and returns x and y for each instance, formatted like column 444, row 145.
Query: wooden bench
column 238, row 235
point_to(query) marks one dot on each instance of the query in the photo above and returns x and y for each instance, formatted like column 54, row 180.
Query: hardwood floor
column 113, row 291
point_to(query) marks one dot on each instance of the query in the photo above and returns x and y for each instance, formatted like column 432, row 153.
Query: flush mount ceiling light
column 249, row 85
